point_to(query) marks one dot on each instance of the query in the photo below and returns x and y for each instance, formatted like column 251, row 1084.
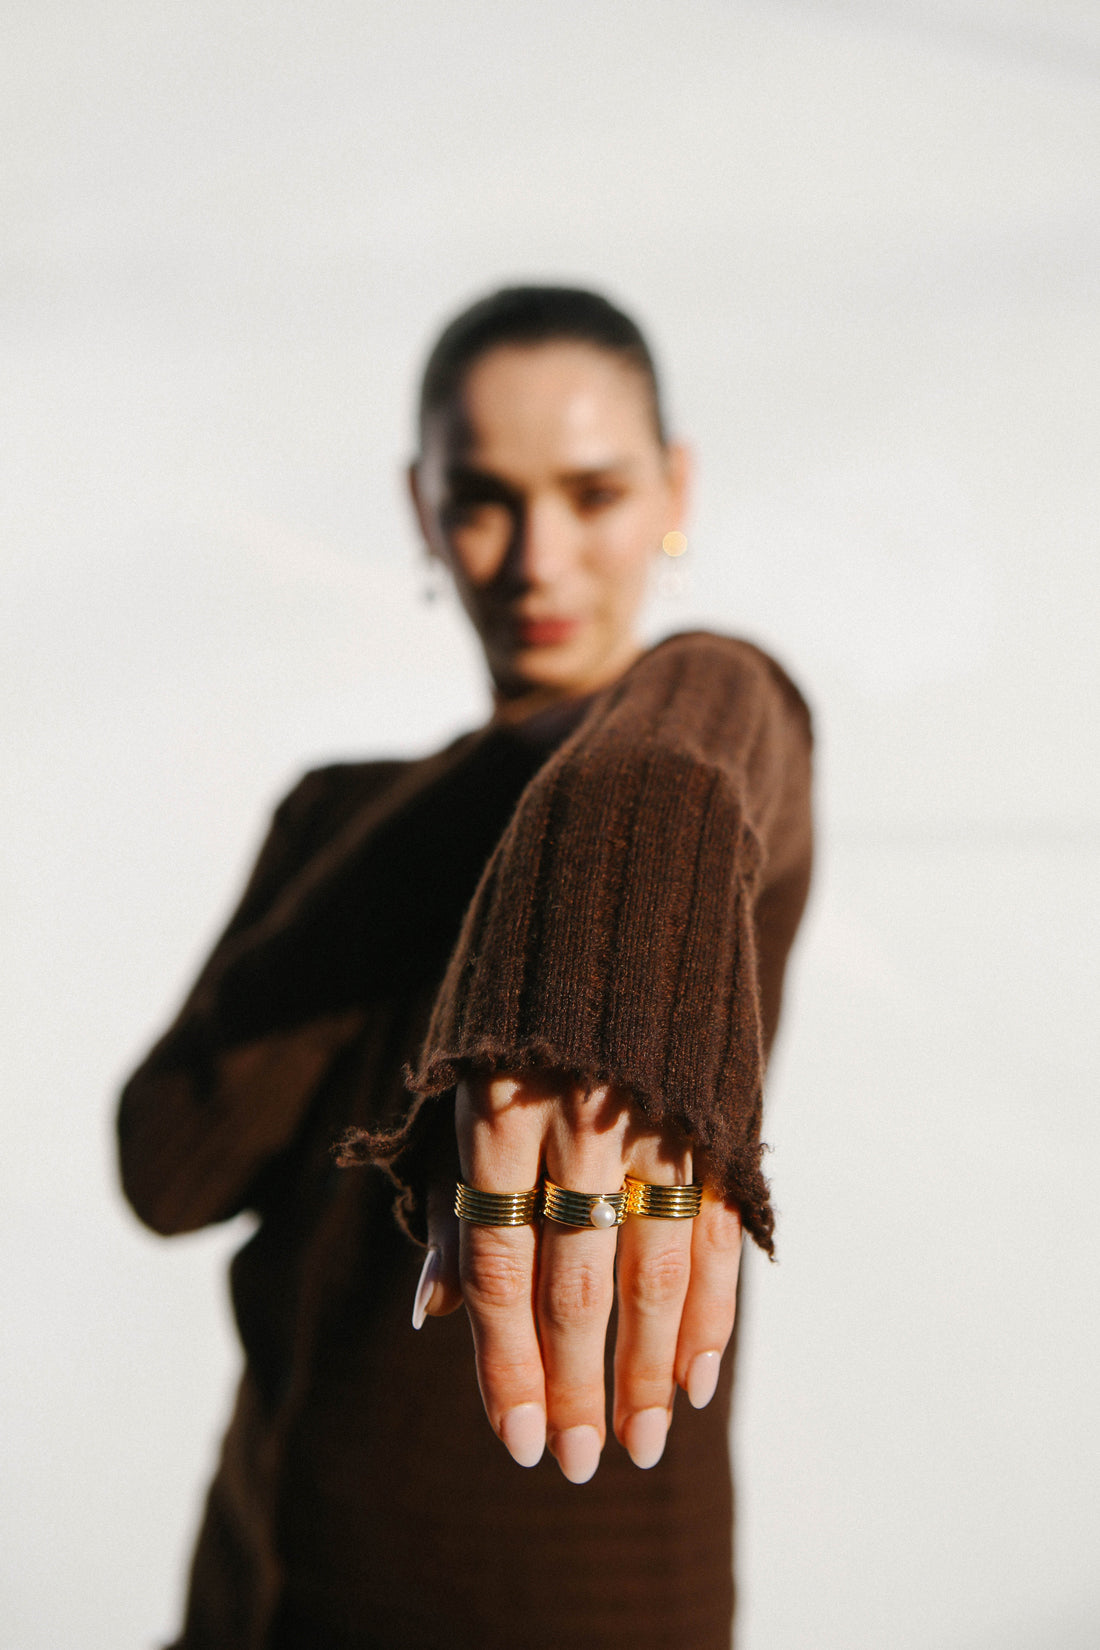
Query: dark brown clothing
column 609, row 889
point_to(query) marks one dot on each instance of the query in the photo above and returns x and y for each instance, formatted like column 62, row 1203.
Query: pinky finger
column 707, row 1321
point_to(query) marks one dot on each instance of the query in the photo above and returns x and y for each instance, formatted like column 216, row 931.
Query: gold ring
column 600, row 1209
column 495, row 1208
column 662, row 1202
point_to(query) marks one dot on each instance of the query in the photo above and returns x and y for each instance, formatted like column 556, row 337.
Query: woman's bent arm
column 222, row 1091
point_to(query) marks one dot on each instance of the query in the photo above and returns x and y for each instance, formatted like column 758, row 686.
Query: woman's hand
column 539, row 1297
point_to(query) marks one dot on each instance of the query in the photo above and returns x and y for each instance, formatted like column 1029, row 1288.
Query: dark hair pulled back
column 532, row 315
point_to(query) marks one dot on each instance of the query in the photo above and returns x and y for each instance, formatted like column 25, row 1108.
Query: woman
column 549, row 956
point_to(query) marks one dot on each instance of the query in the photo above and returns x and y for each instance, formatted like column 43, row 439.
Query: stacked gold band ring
column 600, row 1209
column 662, row 1202
column 495, row 1208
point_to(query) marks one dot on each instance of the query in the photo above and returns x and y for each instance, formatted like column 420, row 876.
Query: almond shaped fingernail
column 644, row 1436
column 577, row 1451
column 702, row 1381
column 523, row 1433
column 429, row 1272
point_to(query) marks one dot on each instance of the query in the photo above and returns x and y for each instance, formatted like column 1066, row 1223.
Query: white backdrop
column 866, row 239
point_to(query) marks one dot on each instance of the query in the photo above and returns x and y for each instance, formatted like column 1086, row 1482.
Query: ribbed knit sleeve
column 614, row 933
column 225, row 1088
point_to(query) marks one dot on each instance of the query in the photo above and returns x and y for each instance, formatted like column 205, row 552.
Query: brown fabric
column 618, row 907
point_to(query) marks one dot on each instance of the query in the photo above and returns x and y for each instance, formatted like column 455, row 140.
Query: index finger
column 499, row 1150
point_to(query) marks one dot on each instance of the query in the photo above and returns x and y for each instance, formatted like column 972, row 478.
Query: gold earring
column 673, row 578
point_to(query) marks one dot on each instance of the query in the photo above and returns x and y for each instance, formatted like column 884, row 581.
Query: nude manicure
column 577, row 1451
column 429, row 1272
column 702, row 1381
column 644, row 1436
column 523, row 1433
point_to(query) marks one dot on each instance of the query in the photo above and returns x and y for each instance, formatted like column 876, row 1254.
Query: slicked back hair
column 532, row 315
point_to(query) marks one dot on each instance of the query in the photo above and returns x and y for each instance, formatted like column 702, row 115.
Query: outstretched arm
column 607, row 1010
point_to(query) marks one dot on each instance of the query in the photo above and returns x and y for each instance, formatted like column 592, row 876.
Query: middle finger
column 576, row 1287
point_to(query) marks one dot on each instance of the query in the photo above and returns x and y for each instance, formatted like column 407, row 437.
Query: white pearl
column 602, row 1214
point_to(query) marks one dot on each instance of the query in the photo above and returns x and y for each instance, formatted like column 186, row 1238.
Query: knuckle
column 645, row 1383
column 719, row 1235
column 575, row 1295
column 496, row 1281
column 508, row 1375
column 658, row 1281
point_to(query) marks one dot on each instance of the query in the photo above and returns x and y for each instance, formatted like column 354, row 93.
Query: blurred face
column 546, row 492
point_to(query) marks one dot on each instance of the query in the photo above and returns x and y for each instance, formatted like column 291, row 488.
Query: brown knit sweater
column 610, row 890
